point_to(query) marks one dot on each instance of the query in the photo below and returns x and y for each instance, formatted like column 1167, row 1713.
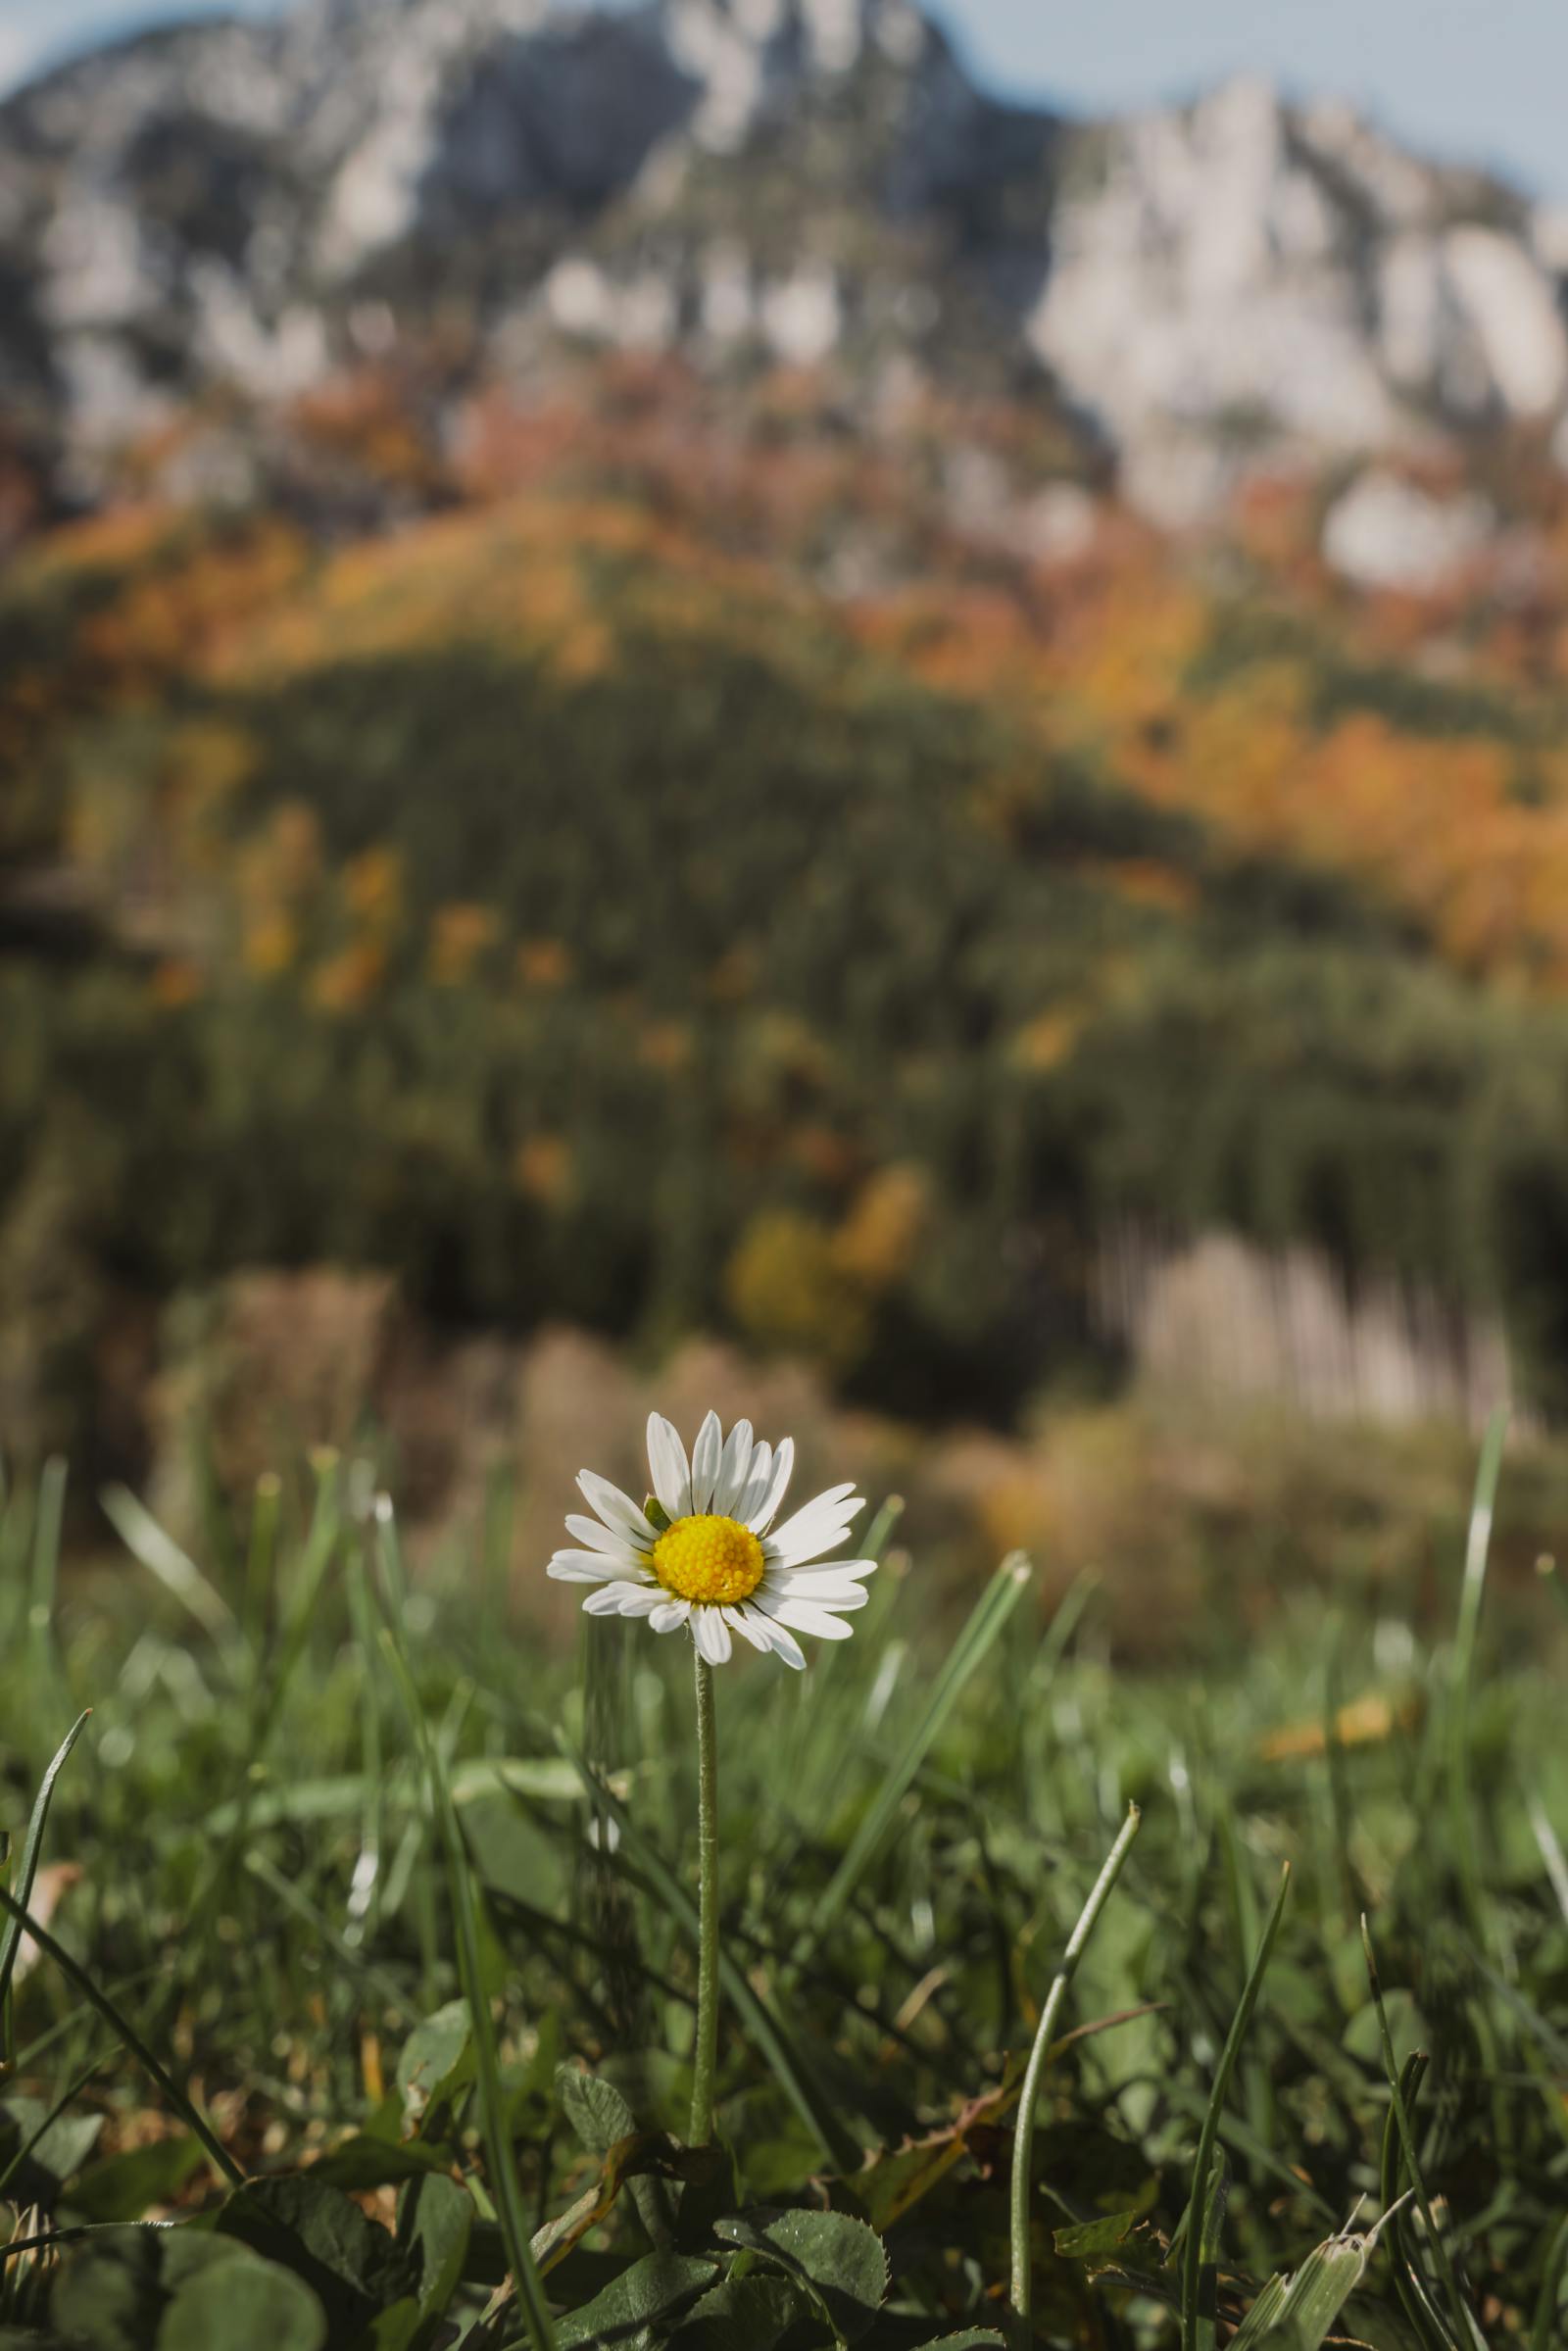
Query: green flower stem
column 1039, row 2057
column 705, row 2056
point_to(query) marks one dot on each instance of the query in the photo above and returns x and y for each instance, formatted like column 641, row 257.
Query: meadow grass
column 379, row 1980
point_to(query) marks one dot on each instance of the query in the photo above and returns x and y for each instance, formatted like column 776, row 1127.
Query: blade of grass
column 11, row 1938
column 1429, row 2328
column 52, row 2115
column 505, row 2186
column 364, row 1891
column 1256, row 2090
column 880, row 1532
column 1461, row 1820
column 260, row 1559
column 174, row 1569
column 184, row 2106
column 1544, row 2333
column 1551, row 1852
column 1197, row 2330
column 1039, row 2056
column 1461, row 2324
column 989, row 1615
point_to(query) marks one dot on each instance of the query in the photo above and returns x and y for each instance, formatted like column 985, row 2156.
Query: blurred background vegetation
column 564, row 915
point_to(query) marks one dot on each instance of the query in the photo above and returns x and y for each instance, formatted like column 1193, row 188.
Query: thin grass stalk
column 1544, row 2333
column 1256, row 2088
column 260, row 1560
column 1478, row 1546
column 516, row 2230
column 1039, row 2056
column 1550, row 1851
column 986, row 1620
column 1196, row 2335
column 11, row 1939
column 364, row 1892
column 66, row 2097
column 1462, row 2336
column 1430, row 2330
column 182, row 2103
column 161, row 1554
column 704, row 2053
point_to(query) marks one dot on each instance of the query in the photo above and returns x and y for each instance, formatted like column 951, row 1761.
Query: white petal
column 668, row 1614
column 617, row 1510
column 734, row 1468
column 611, row 1599
column 749, row 1625
column 814, row 1580
column 598, row 1538
column 710, row 1634
column 807, row 1618
column 643, row 1600
column 582, row 1567
column 782, row 1643
column 671, row 1471
column 775, row 1489
column 845, row 1597
column 757, row 1482
column 706, row 1454
column 816, row 1528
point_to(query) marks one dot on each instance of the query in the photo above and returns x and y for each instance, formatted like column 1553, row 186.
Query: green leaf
column 1295, row 2314
column 741, row 2313
column 601, row 2119
column 48, row 2150
column 653, row 2288
column 246, row 2305
column 515, row 1853
column 596, row 2110
column 973, row 2339
column 355, row 2269
column 435, row 2223
column 841, row 2260
column 365, row 2162
column 1092, row 2238
column 437, row 2060
column 1407, row 2030
column 392, row 2330
column 122, row 2188
column 183, row 2289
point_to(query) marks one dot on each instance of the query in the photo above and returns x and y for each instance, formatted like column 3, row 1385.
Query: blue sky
column 1480, row 79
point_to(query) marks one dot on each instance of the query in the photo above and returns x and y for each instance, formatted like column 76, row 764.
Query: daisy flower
column 702, row 1550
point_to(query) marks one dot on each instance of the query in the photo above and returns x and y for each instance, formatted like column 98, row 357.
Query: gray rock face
column 815, row 181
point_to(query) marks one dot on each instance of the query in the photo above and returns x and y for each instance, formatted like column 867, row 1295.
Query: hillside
column 470, row 190
column 662, row 829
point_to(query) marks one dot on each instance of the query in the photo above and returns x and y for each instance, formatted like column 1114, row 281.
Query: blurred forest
column 666, row 884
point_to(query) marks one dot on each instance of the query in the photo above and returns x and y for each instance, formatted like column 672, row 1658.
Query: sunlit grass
column 321, row 1804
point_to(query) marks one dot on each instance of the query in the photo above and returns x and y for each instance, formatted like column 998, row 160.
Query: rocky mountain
column 241, row 210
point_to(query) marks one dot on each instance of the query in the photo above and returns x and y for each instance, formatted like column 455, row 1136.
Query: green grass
column 329, row 1819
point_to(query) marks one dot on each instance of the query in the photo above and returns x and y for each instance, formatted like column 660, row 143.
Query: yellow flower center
column 709, row 1559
